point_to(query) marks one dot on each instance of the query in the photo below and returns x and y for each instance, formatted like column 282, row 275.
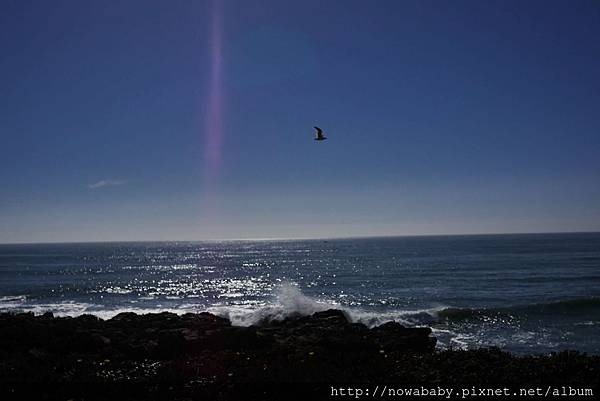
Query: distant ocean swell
column 568, row 306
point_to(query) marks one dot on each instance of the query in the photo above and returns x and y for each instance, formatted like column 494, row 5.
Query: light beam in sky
column 214, row 135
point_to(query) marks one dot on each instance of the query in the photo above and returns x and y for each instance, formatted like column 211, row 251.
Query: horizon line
column 302, row 238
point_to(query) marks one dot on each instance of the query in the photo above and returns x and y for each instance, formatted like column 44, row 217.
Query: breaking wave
column 288, row 301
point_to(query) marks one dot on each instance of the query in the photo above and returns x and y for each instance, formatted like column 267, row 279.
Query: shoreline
column 196, row 355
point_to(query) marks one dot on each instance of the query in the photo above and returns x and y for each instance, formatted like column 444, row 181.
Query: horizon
column 162, row 120
column 302, row 239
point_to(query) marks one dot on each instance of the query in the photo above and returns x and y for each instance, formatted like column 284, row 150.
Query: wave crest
column 571, row 306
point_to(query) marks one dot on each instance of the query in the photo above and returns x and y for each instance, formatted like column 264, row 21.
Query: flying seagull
column 319, row 133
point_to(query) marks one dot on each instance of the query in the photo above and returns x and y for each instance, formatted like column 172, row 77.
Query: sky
column 193, row 120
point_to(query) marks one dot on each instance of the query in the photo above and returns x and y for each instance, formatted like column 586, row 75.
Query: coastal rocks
column 393, row 335
column 202, row 356
column 333, row 330
column 167, row 335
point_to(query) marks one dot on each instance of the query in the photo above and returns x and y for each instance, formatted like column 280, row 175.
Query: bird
column 319, row 133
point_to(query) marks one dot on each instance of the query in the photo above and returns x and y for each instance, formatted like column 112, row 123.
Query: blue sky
column 442, row 117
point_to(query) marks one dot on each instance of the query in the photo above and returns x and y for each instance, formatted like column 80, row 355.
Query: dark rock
column 87, row 320
column 331, row 314
column 37, row 353
column 190, row 334
column 125, row 317
column 396, row 337
column 100, row 340
column 202, row 356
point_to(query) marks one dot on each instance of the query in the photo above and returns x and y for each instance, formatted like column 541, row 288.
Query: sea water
column 524, row 293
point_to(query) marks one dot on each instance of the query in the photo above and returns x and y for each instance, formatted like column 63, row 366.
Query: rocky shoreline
column 202, row 356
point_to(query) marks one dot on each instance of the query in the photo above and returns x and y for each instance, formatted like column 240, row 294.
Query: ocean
column 525, row 293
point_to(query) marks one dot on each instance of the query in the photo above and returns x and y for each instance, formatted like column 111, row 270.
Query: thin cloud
column 106, row 183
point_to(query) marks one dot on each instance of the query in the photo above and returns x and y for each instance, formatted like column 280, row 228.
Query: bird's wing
column 319, row 132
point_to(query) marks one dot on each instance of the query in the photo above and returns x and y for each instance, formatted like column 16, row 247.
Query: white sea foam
column 66, row 308
column 20, row 303
column 12, row 299
column 288, row 300
column 110, row 313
